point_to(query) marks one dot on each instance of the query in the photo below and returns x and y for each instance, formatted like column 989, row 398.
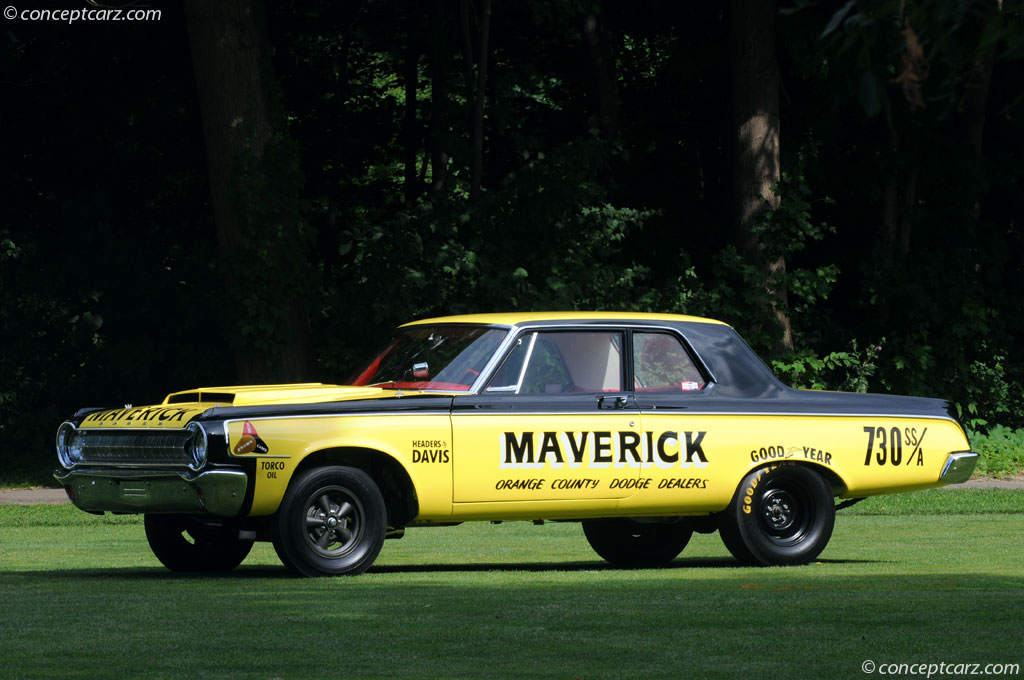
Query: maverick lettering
column 528, row 450
column 139, row 413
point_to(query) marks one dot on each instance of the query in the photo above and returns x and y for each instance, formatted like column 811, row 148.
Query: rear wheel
column 627, row 543
column 189, row 543
column 332, row 522
column 780, row 515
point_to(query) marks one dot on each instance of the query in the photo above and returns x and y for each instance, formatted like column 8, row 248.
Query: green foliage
column 54, row 332
column 273, row 243
column 989, row 395
column 1001, row 449
column 544, row 239
column 789, row 228
column 846, row 371
column 735, row 289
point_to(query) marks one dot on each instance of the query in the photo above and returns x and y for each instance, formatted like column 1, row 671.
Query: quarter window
column 662, row 364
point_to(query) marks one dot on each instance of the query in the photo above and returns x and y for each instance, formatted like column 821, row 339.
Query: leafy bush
column 1001, row 449
column 988, row 394
column 847, row 371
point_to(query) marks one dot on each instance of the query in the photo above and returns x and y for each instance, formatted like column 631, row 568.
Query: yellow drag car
column 643, row 427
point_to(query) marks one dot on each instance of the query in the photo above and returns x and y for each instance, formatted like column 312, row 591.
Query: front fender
column 278, row 446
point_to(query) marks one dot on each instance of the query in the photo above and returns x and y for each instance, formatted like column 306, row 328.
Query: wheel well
column 389, row 475
column 835, row 482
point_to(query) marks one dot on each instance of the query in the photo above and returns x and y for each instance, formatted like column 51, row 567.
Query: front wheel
column 331, row 522
column 188, row 543
column 626, row 543
column 780, row 515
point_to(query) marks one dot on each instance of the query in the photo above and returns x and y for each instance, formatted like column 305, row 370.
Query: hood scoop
column 200, row 396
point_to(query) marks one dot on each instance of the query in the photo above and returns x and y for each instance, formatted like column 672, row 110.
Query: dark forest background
column 259, row 192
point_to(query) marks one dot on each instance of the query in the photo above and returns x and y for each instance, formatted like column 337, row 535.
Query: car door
column 668, row 382
column 553, row 423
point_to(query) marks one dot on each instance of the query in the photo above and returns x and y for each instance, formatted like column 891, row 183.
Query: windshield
column 432, row 358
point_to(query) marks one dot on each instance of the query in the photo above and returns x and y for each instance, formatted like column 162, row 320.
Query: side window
column 561, row 362
column 662, row 364
column 546, row 373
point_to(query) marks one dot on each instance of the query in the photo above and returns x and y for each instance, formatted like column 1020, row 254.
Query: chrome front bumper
column 959, row 467
column 216, row 492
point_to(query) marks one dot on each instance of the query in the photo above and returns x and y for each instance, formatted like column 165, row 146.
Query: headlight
column 69, row 445
column 197, row 446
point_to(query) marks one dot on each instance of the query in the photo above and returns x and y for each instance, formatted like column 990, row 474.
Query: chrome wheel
column 334, row 522
column 331, row 522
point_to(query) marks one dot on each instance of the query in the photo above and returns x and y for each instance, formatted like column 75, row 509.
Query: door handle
column 618, row 402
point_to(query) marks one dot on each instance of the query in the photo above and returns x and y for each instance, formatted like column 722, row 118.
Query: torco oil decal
column 250, row 441
column 528, row 450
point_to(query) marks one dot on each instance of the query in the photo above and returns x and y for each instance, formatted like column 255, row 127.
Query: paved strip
column 33, row 497
column 990, row 483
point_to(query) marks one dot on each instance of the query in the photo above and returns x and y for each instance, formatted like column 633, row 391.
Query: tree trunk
column 465, row 25
column 890, row 203
column 755, row 108
column 899, row 221
column 438, row 103
column 254, row 186
column 976, row 100
column 409, row 137
column 605, row 79
column 481, row 98
column 907, row 219
column 975, row 106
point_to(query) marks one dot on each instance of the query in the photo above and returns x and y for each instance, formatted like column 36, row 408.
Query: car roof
column 522, row 318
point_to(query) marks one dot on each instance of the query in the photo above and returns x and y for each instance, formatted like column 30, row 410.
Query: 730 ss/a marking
column 887, row 445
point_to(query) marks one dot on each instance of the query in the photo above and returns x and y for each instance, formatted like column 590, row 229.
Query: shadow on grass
column 154, row 573
column 697, row 563
column 135, row 622
column 279, row 571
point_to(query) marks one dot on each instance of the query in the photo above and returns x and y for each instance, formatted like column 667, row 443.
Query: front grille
column 134, row 447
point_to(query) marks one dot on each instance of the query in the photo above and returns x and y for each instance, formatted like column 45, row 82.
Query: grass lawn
column 929, row 577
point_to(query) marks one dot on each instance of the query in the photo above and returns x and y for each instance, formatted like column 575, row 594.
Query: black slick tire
column 627, row 543
column 187, row 543
column 780, row 515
